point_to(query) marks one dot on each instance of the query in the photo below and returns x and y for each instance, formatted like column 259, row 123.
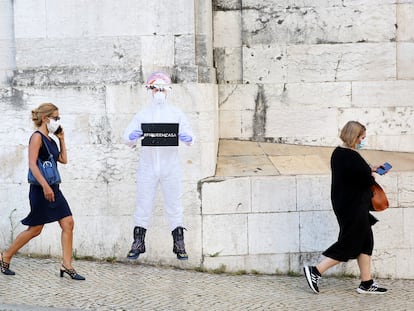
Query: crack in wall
column 337, row 67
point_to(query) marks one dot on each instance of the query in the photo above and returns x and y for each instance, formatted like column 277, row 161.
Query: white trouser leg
column 145, row 201
column 171, row 189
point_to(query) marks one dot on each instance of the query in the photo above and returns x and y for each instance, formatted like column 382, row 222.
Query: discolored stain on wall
column 259, row 117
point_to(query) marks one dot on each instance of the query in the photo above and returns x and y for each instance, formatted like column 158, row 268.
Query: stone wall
column 7, row 62
column 276, row 224
column 91, row 59
column 297, row 71
column 292, row 71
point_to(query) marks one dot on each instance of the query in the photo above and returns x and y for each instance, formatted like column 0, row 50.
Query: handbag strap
column 44, row 143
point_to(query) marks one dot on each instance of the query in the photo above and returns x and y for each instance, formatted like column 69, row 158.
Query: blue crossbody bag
column 48, row 168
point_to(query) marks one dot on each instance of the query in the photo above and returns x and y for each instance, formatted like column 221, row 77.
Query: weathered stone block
column 405, row 16
column 403, row 263
column 13, row 163
column 66, row 19
column 232, row 127
column 318, row 230
column 73, row 76
column 301, row 123
column 406, row 194
column 267, row 233
column 265, row 64
column 317, row 95
column 81, row 52
column 238, row 96
column 315, row 25
column 30, row 19
column 381, row 121
column 344, row 62
column 394, row 142
column 208, row 160
column 269, row 263
column 184, row 50
column 382, row 94
column 273, row 195
column 157, row 51
column 229, row 23
column 390, row 231
column 14, row 207
column 229, row 65
column 405, row 59
column 226, row 5
column 228, row 196
column 224, row 263
column 225, row 235
column 313, row 193
column 205, row 125
column 408, row 235
column 129, row 97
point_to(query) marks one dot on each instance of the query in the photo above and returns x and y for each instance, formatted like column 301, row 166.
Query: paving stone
column 123, row 286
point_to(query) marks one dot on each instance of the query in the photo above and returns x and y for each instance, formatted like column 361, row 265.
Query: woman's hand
column 62, row 154
column 61, row 134
column 49, row 194
column 374, row 167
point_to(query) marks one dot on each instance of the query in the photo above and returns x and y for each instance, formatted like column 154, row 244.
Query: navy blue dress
column 41, row 210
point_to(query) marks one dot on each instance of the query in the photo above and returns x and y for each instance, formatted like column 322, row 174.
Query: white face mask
column 53, row 125
column 160, row 98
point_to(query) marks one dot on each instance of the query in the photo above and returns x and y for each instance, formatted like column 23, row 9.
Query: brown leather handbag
column 379, row 198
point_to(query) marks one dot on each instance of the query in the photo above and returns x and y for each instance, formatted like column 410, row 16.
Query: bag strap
column 44, row 143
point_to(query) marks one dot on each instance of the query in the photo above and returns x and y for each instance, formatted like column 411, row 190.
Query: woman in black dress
column 47, row 203
column 351, row 202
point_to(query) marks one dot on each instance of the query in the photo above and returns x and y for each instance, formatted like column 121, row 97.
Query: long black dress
column 351, row 201
column 41, row 210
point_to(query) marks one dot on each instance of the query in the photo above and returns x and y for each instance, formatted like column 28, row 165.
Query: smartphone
column 59, row 129
column 384, row 168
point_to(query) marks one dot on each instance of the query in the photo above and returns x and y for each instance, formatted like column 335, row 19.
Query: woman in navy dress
column 47, row 203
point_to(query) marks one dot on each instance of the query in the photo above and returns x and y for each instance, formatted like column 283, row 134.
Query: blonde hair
column 351, row 132
column 44, row 110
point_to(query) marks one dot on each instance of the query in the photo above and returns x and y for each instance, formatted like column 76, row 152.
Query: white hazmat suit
column 159, row 165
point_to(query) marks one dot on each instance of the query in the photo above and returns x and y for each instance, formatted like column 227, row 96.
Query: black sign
column 159, row 134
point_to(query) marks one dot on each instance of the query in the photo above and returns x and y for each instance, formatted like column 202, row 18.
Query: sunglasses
column 54, row 118
column 159, row 88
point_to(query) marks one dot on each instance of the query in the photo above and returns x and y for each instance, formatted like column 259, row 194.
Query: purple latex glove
column 185, row 138
column 135, row 135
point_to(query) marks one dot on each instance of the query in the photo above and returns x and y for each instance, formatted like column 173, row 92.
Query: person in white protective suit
column 158, row 165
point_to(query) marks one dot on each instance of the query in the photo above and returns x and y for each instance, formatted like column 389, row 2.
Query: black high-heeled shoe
column 4, row 267
column 72, row 273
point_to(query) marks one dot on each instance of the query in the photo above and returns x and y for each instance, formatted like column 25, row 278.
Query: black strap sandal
column 4, row 267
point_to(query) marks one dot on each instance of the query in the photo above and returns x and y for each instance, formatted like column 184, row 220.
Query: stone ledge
column 247, row 158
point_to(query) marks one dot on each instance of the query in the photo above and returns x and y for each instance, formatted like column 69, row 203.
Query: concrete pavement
column 133, row 286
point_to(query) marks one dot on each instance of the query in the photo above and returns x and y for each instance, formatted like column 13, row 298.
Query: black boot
column 179, row 247
column 138, row 246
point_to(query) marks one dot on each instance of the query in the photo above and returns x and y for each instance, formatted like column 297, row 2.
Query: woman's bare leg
column 67, row 225
column 364, row 264
column 21, row 240
column 326, row 264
